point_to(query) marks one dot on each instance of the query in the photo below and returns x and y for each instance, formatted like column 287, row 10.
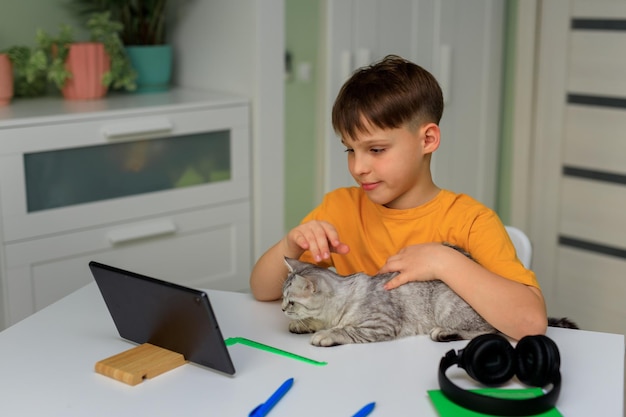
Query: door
column 358, row 32
column 578, row 191
column 460, row 42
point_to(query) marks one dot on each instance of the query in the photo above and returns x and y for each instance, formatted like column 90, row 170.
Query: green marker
column 233, row 340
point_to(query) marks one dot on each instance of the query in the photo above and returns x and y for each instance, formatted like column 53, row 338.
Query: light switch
column 304, row 72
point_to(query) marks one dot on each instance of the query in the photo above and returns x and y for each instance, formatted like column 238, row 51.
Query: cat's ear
column 295, row 265
column 308, row 285
column 292, row 264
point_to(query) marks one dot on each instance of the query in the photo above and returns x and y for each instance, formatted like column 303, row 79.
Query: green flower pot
column 153, row 64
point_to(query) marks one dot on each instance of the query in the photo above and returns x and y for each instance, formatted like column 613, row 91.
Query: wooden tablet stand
column 141, row 362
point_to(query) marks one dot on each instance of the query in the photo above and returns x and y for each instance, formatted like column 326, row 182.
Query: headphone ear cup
column 538, row 360
column 489, row 359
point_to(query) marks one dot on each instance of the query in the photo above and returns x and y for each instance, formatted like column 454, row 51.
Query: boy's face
column 392, row 165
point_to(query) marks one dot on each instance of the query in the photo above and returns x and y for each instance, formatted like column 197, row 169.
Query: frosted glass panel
column 92, row 173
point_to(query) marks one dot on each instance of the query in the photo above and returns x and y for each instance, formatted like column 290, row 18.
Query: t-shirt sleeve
column 491, row 246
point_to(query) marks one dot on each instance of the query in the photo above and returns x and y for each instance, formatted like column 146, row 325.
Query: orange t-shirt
column 374, row 232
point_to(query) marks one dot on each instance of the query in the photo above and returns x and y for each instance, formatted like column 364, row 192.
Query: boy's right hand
column 318, row 237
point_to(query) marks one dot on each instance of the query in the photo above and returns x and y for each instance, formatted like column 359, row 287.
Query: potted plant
column 29, row 71
column 85, row 70
column 6, row 79
column 143, row 34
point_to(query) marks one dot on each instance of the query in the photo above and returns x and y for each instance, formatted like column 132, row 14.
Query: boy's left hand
column 414, row 263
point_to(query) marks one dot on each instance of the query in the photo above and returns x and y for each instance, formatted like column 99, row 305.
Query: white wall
column 238, row 46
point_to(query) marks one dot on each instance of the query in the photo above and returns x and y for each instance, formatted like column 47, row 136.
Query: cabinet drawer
column 98, row 172
column 207, row 248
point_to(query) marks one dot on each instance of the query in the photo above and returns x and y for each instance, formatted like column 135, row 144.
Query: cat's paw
column 444, row 335
column 299, row 327
column 439, row 334
column 562, row 322
column 327, row 338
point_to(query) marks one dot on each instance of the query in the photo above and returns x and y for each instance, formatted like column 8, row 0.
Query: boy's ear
column 431, row 137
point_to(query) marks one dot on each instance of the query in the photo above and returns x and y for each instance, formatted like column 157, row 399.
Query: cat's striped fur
column 357, row 309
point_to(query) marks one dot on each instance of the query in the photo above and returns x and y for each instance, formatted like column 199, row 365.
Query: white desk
column 47, row 368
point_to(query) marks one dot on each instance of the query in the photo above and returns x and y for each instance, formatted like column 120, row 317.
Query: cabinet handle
column 138, row 128
column 141, row 231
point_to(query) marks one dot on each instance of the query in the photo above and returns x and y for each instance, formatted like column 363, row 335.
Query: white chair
column 522, row 245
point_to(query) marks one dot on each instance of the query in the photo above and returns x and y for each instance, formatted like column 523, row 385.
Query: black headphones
column 491, row 360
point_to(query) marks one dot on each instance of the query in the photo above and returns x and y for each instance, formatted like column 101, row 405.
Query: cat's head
column 306, row 289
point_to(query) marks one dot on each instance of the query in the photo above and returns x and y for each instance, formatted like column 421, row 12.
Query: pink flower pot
column 6, row 80
column 87, row 61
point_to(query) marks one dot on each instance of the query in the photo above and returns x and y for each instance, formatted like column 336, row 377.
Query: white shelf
column 35, row 111
column 44, row 251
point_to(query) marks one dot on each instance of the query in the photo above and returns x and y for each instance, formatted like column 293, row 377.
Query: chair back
column 522, row 245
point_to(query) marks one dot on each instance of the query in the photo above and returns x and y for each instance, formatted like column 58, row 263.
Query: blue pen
column 365, row 411
column 262, row 409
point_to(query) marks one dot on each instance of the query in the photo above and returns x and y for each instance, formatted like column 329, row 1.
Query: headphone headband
column 492, row 405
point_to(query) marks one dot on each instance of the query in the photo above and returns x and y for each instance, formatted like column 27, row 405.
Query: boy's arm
column 270, row 271
column 513, row 308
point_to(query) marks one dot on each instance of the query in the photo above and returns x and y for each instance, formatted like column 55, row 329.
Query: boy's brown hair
column 388, row 94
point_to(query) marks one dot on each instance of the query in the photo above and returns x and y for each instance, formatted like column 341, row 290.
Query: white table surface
column 47, row 368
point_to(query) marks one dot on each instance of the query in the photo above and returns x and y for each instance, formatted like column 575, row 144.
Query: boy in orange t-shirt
column 387, row 115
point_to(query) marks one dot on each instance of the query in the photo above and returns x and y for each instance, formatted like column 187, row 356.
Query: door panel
column 460, row 42
column 595, row 284
column 596, row 138
column 593, row 210
column 593, row 64
column 578, row 193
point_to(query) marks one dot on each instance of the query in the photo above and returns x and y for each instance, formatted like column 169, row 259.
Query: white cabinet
column 155, row 183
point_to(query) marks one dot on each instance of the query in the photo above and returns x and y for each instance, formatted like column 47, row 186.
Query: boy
column 387, row 115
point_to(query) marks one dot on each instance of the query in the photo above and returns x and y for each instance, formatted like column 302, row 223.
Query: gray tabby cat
column 357, row 309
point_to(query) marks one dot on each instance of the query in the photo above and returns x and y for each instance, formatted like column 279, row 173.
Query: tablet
column 174, row 317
